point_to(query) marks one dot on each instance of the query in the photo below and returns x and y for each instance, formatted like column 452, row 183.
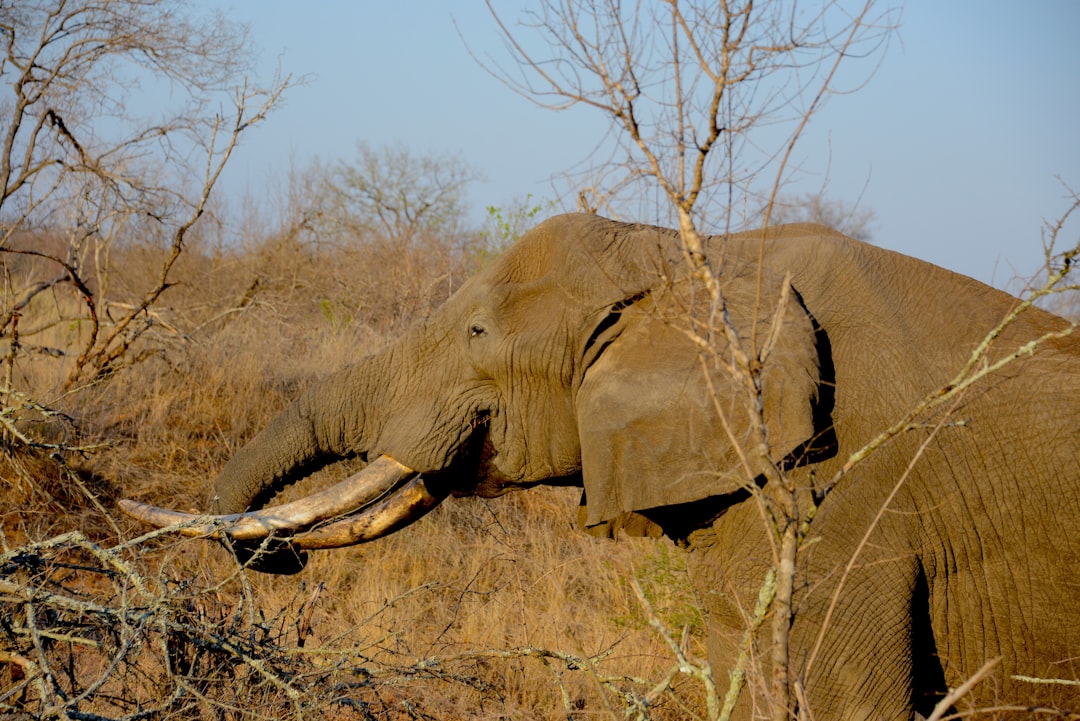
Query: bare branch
column 81, row 160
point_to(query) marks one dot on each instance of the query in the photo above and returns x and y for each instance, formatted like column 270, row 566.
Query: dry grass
column 485, row 609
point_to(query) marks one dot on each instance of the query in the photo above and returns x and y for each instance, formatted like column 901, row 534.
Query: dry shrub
column 87, row 633
column 485, row 609
column 115, row 632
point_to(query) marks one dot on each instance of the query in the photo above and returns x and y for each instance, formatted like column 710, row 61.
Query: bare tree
column 119, row 117
column 851, row 220
column 688, row 86
column 398, row 194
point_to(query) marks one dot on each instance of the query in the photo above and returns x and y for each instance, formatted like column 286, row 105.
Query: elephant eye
column 476, row 330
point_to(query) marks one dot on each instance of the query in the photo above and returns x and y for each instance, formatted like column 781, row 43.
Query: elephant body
column 576, row 357
column 973, row 557
column 968, row 560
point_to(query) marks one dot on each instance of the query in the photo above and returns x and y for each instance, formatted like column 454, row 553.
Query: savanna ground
column 485, row 609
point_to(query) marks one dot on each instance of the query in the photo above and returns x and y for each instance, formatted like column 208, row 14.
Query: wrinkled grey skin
column 567, row 361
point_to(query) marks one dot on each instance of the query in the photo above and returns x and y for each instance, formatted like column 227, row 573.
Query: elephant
column 590, row 354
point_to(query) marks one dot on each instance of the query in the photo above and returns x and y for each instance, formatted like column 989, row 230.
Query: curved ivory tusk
column 356, row 491
column 405, row 505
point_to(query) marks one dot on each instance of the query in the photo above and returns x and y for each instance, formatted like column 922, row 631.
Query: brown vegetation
column 488, row 609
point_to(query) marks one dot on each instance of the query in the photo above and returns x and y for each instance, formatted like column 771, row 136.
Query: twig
column 942, row 707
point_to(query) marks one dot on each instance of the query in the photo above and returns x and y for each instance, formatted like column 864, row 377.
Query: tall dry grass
column 484, row 609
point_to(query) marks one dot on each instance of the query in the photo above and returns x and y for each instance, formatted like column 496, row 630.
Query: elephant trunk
column 328, row 423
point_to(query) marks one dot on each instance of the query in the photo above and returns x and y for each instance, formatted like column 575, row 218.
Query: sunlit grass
column 485, row 609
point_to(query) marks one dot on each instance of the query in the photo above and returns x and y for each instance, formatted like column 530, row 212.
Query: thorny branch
column 673, row 105
column 978, row 365
column 71, row 190
column 102, row 356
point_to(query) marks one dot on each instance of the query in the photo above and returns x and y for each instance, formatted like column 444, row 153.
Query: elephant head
column 587, row 354
column 574, row 358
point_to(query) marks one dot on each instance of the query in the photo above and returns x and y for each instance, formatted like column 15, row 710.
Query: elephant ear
column 657, row 414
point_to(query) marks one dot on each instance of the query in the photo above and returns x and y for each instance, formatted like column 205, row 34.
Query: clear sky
column 956, row 143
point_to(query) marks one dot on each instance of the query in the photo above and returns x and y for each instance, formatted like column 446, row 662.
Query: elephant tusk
column 358, row 490
column 405, row 505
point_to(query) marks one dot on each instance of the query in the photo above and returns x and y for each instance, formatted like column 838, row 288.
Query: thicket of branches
column 88, row 632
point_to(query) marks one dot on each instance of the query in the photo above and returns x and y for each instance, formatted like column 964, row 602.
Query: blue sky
column 956, row 143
